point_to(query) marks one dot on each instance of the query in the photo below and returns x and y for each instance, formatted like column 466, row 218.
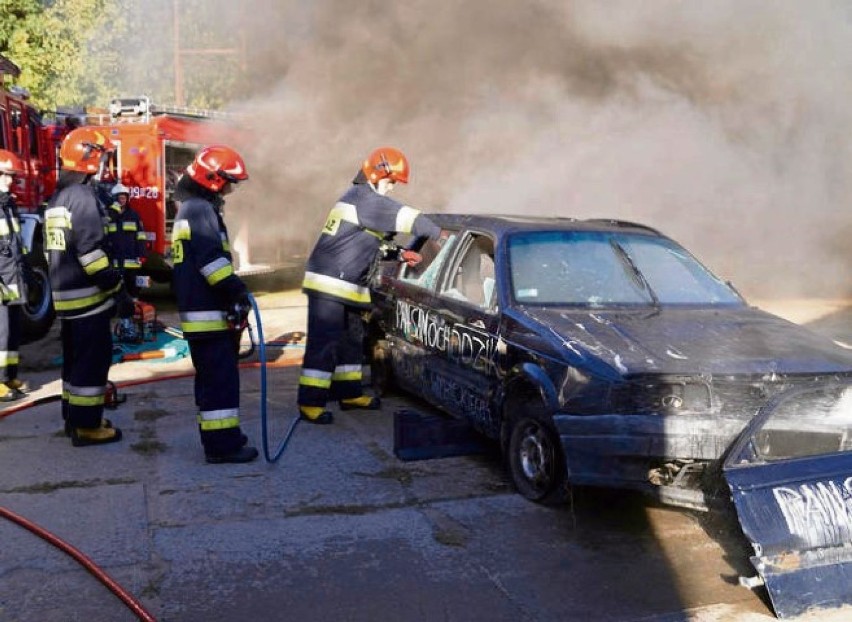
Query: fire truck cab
column 154, row 147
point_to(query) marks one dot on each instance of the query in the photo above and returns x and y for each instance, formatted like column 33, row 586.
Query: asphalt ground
column 338, row 528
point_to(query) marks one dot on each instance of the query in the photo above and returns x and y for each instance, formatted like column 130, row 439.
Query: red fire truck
column 155, row 145
column 36, row 143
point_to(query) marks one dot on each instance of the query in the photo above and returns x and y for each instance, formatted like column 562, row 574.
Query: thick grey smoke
column 724, row 124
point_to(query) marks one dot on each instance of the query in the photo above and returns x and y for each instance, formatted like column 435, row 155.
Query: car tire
column 535, row 459
column 381, row 374
column 37, row 312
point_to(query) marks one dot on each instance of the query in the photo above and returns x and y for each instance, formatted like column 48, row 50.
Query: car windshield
column 597, row 268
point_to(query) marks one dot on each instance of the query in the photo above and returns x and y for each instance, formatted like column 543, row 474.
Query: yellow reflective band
column 203, row 326
column 142, row 236
column 217, row 270
column 347, row 372
column 78, row 303
column 132, row 263
column 220, row 274
column 57, row 217
column 96, row 266
column 346, row 376
column 308, row 381
column 181, row 230
column 111, row 228
column 405, row 218
column 224, row 423
column 129, row 226
column 341, row 212
column 9, row 358
column 85, row 400
column 336, row 287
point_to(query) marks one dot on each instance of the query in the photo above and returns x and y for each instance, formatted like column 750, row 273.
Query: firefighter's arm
column 89, row 240
column 214, row 265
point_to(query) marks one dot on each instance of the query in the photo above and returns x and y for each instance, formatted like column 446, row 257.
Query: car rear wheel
column 535, row 458
column 381, row 375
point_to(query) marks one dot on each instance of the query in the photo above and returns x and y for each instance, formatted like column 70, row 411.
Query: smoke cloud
column 725, row 125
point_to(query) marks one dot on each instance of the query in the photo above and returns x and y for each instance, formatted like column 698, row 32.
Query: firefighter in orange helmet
column 336, row 283
column 12, row 282
column 212, row 299
column 86, row 287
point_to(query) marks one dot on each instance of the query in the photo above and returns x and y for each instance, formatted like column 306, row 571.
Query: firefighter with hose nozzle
column 213, row 301
column 337, row 283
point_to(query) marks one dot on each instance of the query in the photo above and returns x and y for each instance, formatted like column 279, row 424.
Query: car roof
column 506, row 223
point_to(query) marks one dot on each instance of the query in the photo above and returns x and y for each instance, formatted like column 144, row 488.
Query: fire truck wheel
column 38, row 313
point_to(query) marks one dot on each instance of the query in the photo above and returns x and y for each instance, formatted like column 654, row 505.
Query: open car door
column 790, row 474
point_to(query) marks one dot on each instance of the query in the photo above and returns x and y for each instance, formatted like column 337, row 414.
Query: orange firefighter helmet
column 386, row 162
column 217, row 165
column 83, row 148
column 10, row 163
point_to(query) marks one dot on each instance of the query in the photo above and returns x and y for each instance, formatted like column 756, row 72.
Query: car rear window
column 598, row 268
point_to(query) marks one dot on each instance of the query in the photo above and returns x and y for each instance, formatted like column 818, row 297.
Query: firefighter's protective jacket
column 127, row 237
column 340, row 262
column 12, row 251
column 204, row 278
column 82, row 276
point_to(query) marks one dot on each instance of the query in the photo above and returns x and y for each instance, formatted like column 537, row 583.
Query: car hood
column 688, row 341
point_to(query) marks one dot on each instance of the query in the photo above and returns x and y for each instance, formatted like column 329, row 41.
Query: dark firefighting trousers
column 217, row 392
column 334, row 353
column 128, row 276
column 10, row 341
column 86, row 358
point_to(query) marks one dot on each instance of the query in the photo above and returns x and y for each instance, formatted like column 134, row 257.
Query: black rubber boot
column 238, row 456
column 316, row 415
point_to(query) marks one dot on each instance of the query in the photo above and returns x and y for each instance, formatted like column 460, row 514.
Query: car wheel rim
column 535, row 455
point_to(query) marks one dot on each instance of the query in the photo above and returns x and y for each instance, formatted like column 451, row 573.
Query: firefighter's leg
column 326, row 320
column 87, row 352
column 347, row 385
column 217, row 395
column 12, row 380
column 8, row 355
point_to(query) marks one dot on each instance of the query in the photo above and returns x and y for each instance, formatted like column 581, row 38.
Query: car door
column 465, row 315
column 790, row 475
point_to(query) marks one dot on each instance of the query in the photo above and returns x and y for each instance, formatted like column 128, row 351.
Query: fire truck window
column 16, row 123
column 3, row 141
column 33, row 131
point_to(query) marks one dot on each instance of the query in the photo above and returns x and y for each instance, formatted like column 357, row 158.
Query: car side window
column 425, row 274
column 472, row 275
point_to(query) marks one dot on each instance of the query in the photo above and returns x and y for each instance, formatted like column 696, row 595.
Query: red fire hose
column 134, row 605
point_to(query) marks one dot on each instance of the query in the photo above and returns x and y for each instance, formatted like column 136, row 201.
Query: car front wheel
column 536, row 461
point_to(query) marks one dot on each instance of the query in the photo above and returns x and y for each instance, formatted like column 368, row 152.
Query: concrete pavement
column 338, row 529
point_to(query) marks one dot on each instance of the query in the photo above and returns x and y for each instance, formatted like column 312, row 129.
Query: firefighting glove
column 239, row 311
column 411, row 258
column 124, row 304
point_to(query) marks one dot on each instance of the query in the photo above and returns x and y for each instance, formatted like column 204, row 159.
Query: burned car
column 595, row 352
